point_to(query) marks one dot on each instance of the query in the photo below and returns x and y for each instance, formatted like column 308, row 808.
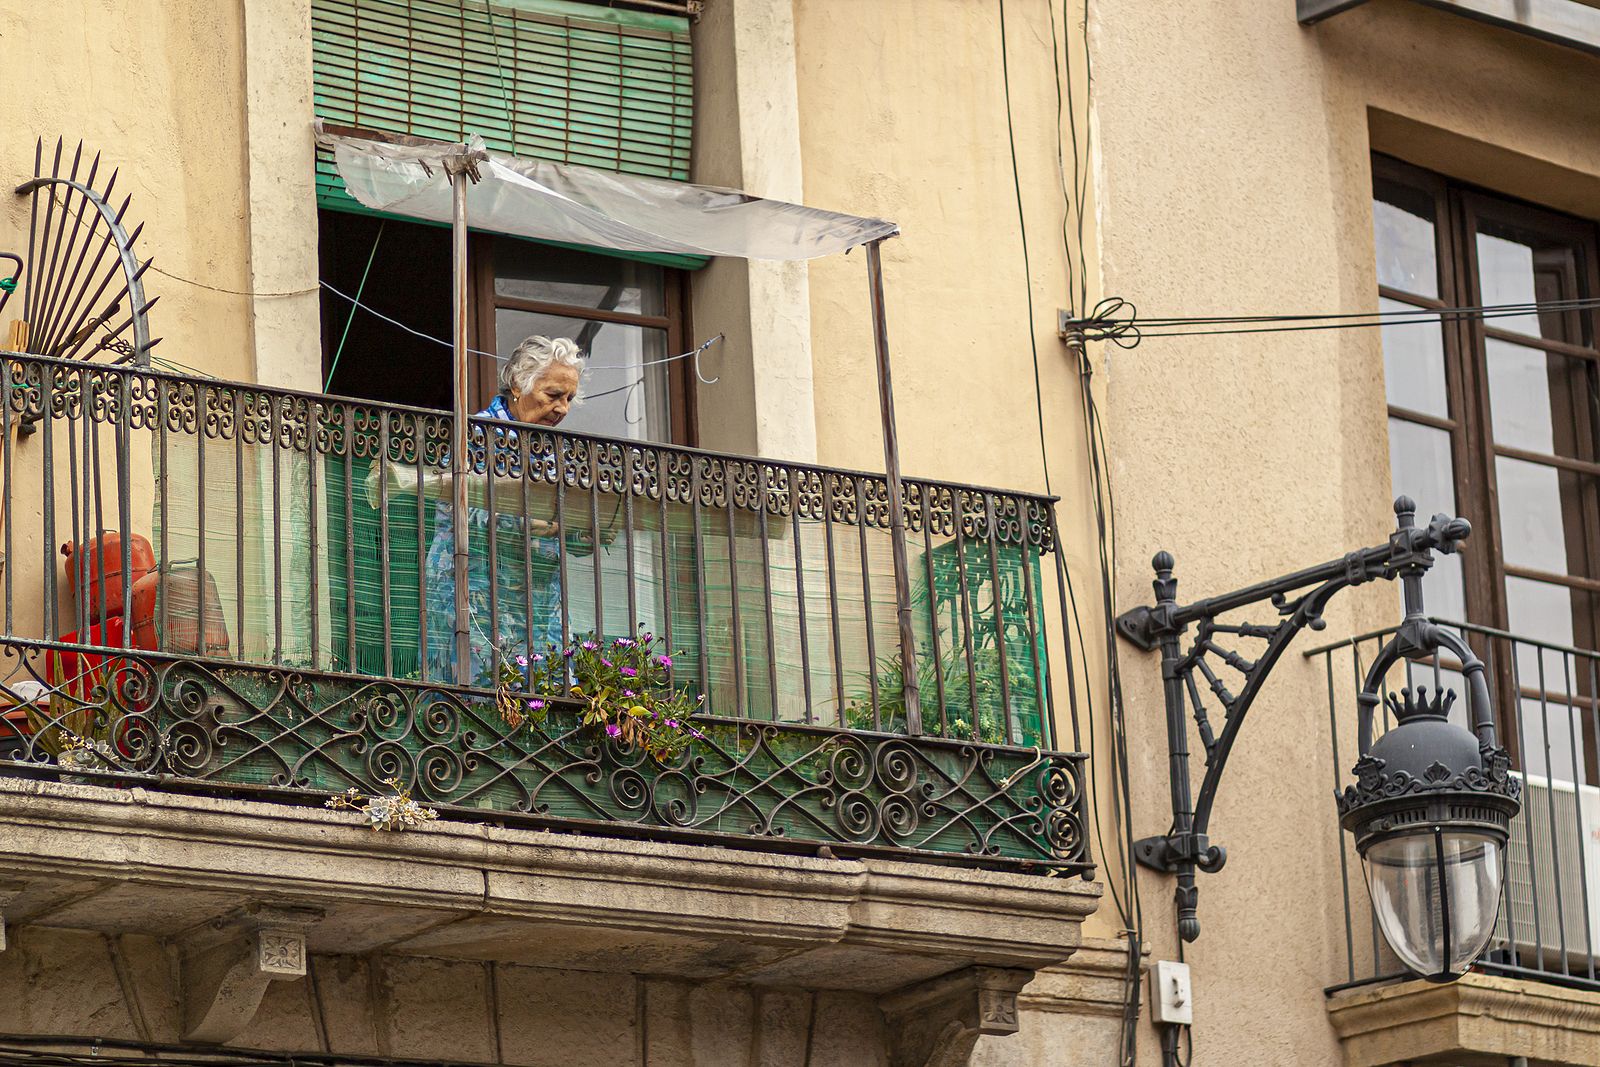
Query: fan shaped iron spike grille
column 82, row 287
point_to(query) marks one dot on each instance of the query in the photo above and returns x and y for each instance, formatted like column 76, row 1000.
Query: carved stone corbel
column 937, row 1023
column 227, row 964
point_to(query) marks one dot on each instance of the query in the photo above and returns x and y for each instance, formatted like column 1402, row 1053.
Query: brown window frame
column 1458, row 209
column 486, row 301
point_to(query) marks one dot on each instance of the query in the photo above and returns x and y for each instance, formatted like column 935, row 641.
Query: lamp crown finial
column 1409, row 704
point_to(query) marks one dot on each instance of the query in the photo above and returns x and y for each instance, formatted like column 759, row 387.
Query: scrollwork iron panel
column 787, row 786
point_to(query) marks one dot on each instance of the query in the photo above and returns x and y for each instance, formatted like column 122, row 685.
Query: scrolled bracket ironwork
column 1209, row 672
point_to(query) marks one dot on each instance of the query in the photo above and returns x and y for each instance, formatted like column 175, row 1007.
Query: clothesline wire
column 692, row 353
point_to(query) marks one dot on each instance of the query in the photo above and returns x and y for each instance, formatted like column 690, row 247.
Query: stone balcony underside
column 232, row 887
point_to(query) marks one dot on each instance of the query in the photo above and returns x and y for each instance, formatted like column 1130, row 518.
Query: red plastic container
column 78, row 673
column 104, row 570
column 180, row 588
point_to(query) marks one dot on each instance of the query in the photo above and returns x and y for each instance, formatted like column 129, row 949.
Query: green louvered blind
column 545, row 79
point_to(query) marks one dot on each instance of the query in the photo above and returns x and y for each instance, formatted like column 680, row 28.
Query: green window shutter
column 548, row 79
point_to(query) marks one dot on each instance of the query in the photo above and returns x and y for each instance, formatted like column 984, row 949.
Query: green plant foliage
column 625, row 685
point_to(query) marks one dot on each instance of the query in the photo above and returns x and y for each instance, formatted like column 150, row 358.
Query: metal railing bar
column 808, row 713
column 349, row 536
column 48, row 491
column 860, row 489
column 1522, row 748
column 698, row 537
column 1577, row 778
column 1550, row 811
column 277, row 535
column 1465, row 627
column 997, row 609
column 966, row 612
column 740, row 695
column 382, row 459
column 628, row 540
column 595, row 546
column 1344, row 863
column 238, row 514
column 767, row 619
column 489, row 450
column 420, row 447
column 124, row 511
column 933, row 616
column 833, row 595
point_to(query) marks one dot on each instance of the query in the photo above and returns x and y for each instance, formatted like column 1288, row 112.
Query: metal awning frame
column 462, row 166
column 1570, row 23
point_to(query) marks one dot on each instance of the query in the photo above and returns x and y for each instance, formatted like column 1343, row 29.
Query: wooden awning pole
column 897, row 511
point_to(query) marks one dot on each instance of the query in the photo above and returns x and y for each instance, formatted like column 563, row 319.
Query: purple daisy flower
column 623, row 642
column 628, row 672
column 629, row 693
column 535, row 705
column 522, row 661
column 590, row 646
column 665, row 661
column 605, row 662
column 613, row 730
column 672, row 723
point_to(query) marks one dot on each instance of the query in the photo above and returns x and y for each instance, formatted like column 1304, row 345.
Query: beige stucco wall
column 1233, row 154
column 903, row 116
column 1230, row 175
column 158, row 90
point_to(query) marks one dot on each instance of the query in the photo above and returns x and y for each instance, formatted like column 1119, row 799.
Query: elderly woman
column 538, row 385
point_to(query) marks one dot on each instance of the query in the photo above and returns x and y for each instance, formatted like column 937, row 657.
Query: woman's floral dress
column 522, row 616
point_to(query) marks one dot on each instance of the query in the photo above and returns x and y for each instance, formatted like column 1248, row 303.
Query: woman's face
column 547, row 402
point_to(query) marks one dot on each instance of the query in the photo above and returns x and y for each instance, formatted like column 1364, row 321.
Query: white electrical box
column 1171, row 996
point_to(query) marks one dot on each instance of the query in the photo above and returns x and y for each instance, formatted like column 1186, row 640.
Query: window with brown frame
column 1497, row 417
column 628, row 317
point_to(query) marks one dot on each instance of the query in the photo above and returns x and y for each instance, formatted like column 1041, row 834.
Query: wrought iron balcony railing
column 287, row 620
column 1548, row 717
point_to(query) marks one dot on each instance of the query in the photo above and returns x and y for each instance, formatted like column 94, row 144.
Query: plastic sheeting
column 583, row 206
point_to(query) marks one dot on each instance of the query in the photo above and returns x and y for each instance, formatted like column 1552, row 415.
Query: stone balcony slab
column 161, row 864
column 1478, row 1019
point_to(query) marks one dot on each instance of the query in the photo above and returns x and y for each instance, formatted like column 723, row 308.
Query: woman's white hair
column 533, row 357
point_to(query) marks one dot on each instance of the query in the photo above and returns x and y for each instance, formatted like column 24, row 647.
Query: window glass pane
column 1554, row 614
column 1419, row 460
column 1402, row 223
column 1521, row 266
column 618, row 395
column 532, row 271
column 1541, row 516
column 1413, row 363
column 1541, row 402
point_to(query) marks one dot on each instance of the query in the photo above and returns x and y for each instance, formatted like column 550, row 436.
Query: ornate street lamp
column 1432, row 805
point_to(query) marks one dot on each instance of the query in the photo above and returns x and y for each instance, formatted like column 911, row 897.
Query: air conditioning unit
column 1552, row 891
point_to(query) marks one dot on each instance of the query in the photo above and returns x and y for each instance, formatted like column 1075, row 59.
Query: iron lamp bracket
column 1204, row 672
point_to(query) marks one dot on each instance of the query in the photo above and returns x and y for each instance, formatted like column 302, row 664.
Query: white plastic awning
column 580, row 205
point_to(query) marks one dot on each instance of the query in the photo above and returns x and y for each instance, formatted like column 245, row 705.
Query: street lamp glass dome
column 1436, row 894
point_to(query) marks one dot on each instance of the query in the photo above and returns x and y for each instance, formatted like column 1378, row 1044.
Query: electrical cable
column 1104, row 500
column 1575, row 303
column 693, row 353
column 1073, row 207
column 1022, row 229
column 1344, row 322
